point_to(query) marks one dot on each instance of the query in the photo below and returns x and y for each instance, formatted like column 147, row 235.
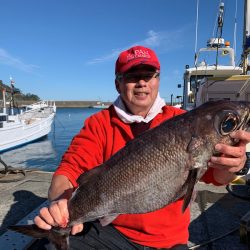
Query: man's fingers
column 59, row 211
column 46, row 216
column 41, row 223
column 76, row 229
column 241, row 135
column 233, row 151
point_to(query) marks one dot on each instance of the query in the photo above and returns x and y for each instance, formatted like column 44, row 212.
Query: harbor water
column 45, row 154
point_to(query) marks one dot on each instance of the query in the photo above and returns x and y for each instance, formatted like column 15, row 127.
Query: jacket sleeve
column 86, row 149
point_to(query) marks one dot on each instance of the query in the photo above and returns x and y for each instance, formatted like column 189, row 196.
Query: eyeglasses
column 136, row 76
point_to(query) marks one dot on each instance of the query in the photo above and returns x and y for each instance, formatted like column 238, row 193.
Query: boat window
column 191, row 97
column 208, row 58
column 217, row 99
column 195, row 81
column 3, row 118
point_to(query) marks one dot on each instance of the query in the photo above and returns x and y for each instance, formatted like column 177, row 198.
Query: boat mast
column 4, row 100
column 12, row 102
column 246, row 36
column 219, row 29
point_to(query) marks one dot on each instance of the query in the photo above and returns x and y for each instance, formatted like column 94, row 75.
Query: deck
column 214, row 213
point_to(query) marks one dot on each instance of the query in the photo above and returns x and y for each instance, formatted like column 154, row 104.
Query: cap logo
column 135, row 56
column 138, row 53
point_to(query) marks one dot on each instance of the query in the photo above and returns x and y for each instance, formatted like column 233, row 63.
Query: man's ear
column 117, row 86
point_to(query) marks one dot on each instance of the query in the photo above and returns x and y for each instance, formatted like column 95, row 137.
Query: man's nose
column 141, row 82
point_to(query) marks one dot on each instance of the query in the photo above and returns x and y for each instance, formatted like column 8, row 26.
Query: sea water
column 46, row 153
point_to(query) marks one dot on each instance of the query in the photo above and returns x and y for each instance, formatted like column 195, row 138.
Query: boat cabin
column 233, row 88
column 217, row 51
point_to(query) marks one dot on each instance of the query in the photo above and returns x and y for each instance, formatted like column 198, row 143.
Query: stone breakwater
column 66, row 104
column 79, row 104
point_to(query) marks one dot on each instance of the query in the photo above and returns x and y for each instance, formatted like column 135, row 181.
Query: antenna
column 221, row 17
column 219, row 28
column 235, row 26
column 196, row 33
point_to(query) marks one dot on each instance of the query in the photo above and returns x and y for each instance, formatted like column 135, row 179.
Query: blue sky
column 66, row 49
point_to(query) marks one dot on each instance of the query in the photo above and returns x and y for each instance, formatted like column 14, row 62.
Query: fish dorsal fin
column 191, row 181
column 89, row 175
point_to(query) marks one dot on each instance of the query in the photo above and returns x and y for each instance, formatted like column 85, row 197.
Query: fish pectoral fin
column 107, row 219
column 194, row 144
column 190, row 182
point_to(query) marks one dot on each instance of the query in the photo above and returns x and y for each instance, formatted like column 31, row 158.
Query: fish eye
column 229, row 123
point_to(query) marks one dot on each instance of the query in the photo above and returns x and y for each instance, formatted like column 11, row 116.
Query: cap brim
column 136, row 63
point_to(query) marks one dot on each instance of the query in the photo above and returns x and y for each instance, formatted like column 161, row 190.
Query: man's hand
column 56, row 215
column 232, row 158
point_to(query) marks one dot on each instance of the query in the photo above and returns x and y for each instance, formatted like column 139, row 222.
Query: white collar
column 130, row 118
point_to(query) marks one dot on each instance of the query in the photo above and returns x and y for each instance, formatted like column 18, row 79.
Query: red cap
column 135, row 56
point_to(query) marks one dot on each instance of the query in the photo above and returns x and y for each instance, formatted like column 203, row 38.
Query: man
column 137, row 108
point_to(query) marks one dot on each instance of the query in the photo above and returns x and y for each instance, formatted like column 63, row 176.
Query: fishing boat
column 99, row 105
column 29, row 124
column 215, row 74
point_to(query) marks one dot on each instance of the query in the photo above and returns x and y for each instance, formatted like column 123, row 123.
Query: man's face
column 138, row 88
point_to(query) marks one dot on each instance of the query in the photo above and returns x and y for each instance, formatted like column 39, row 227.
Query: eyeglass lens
column 135, row 77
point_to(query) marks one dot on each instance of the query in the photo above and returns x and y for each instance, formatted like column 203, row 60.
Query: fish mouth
column 245, row 123
column 247, row 126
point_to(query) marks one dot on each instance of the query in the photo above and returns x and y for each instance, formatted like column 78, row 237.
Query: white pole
column 246, row 35
column 4, row 101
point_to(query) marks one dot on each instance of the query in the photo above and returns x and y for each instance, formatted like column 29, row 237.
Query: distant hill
column 18, row 95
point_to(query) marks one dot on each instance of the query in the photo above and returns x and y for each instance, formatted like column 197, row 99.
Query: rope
column 10, row 174
column 214, row 239
column 243, row 88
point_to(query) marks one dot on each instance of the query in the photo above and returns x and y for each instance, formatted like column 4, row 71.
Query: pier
column 215, row 214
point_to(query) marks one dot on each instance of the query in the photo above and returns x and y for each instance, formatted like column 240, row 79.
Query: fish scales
column 158, row 167
column 139, row 173
column 139, row 163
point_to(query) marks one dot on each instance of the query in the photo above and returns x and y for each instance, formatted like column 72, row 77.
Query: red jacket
column 102, row 136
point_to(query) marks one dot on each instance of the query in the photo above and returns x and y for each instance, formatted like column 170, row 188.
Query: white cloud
column 176, row 72
column 8, row 59
column 153, row 39
column 105, row 58
column 164, row 41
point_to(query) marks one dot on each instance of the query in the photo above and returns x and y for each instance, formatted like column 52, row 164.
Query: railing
column 41, row 104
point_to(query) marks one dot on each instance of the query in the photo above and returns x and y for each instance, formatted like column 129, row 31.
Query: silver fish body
column 152, row 170
column 159, row 166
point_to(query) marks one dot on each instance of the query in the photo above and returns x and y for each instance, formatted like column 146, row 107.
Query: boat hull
column 21, row 133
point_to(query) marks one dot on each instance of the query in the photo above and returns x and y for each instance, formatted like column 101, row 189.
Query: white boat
column 31, row 124
column 220, row 78
column 100, row 105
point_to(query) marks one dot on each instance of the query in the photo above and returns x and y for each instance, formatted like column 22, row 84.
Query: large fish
column 153, row 170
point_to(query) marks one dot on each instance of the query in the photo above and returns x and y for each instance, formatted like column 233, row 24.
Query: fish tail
column 60, row 238
column 30, row 230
